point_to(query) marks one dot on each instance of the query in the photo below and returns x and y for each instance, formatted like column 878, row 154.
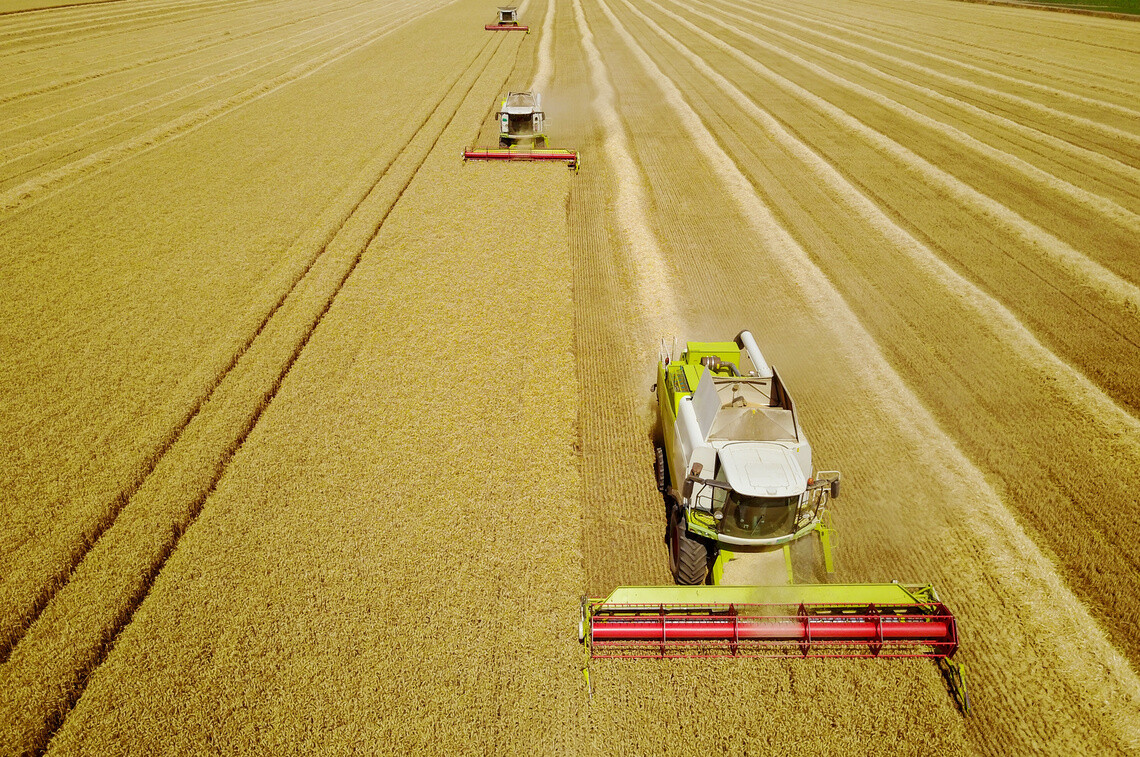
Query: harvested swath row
column 1077, row 389
column 73, row 633
column 1123, row 224
column 1063, row 274
column 75, row 134
column 655, row 297
column 1108, row 138
column 179, row 337
column 1054, row 30
column 851, row 702
column 1083, row 393
column 928, row 75
column 40, row 80
column 1061, row 393
column 22, row 158
column 1044, row 607
column 48, row 18
column 622, row 531
column 544, row 64
column 1010, row 45
column 1043, row 86
column 50, row 13
column 993, row 22
column 54, row 180
column 1041, row 80
column 53, row 93
column 350, row 623
column 1124, row 187
column 176, row 14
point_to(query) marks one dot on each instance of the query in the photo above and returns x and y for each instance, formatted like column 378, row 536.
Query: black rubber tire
column 659, row 468
column 688, row 556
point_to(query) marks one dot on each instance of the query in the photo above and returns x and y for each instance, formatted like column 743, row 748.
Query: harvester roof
column 520, row 103
column 760, row 469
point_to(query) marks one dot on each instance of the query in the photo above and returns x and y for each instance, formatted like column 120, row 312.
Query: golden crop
column 312, row 436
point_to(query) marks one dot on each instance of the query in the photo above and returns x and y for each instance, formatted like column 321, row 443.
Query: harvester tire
column 659, row 468
column 688, row 556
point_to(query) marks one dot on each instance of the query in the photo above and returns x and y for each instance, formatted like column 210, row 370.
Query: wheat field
column 312, row 436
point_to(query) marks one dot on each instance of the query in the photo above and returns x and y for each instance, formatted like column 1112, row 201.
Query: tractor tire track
column 131, row 553
column 177, row 15
column 85, row 129
column 309, row 247
column 58, row 179
column 207, row 39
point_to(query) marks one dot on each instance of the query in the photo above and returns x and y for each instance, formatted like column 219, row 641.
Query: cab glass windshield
column 758, row 517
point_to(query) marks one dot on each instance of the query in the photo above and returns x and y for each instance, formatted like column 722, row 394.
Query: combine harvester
column 508, row 21
column 758, row 496
column 521, row 134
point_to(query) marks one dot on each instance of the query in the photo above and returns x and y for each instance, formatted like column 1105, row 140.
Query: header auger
column 522, row 134
column 806, row 620
column 735, row 470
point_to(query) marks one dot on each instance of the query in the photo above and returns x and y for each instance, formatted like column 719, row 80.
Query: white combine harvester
column 522, row 135
column 735, row 470
column 521, row 120
column 507, row 20
column 736, row 467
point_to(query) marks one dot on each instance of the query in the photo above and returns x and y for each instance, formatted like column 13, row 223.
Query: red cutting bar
column 566, row 156
column 641, row 632
column 680, row 628
column 506, row 28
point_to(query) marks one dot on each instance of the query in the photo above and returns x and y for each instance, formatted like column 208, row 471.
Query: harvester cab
column 521, row 120
column 735, row 470
column 522, row 136
column 735, row 467
column 508, row 21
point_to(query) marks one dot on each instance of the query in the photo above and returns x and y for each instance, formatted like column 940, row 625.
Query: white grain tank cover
column 757, row 469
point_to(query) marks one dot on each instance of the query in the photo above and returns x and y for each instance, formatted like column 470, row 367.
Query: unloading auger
column 735, row 471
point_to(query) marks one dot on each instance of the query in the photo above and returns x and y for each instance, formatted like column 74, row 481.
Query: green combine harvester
column 736, row 474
